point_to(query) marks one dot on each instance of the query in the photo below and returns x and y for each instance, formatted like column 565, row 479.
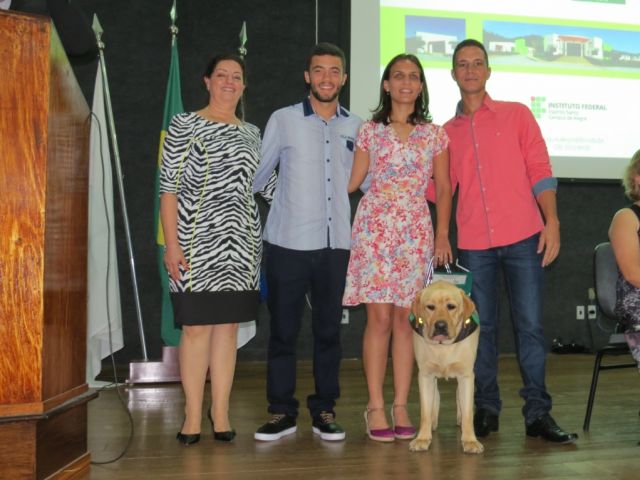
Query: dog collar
column 417, row 324
column 470, row 326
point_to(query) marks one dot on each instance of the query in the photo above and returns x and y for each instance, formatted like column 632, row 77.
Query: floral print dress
column 392, row 236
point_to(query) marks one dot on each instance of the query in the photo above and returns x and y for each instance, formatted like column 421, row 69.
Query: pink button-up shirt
column 499, row 160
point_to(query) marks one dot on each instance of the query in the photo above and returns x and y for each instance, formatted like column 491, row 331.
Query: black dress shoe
column 224, row 436
column 209, row 417
column 221, row 436
column 188, row 438
column 547, row 428
column 485, row 422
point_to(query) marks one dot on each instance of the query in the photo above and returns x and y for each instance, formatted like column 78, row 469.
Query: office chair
column 605, row 272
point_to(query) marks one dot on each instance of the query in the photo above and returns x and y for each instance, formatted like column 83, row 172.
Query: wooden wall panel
column 65, row 246
column 52, row 445
column 64, row 434
column 44, row 131
column 23, row 143
column 43, row 240
column 18, row 463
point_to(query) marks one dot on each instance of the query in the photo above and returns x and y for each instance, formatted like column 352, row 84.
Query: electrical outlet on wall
column 592, row 312
column 580, row 312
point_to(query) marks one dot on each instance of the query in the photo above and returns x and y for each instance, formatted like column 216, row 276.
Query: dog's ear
column 414, row 317
column 415, row 305
column 468, row 307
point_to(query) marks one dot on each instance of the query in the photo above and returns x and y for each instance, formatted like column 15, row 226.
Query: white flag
column 102, row 267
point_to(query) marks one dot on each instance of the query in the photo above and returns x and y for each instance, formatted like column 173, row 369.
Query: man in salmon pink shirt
column 507, row 220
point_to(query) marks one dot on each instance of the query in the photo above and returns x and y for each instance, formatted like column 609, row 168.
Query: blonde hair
column 631, row 187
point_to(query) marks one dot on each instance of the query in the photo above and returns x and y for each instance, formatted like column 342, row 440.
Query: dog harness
column 470, row 326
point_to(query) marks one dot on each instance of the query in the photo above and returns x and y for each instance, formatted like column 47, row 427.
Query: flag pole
column 173, row 29
column 169, row 333
column 168, row 369
column 97, row 28
column 242, row 51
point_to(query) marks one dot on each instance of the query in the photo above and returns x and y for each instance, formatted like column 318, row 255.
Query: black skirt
column 213, row 308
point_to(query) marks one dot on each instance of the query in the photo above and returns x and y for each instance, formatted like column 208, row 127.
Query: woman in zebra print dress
column 213, row 240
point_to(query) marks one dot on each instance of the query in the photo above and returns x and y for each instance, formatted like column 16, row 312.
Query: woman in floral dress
column 392, row 239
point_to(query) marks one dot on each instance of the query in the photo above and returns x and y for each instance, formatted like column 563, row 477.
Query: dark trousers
column 523, row 274
column 290, row 275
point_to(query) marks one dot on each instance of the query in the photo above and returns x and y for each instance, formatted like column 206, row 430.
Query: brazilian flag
column 172, row 106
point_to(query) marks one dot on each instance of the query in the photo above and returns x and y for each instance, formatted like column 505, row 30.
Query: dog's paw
column 420, row 445
column 473, row 446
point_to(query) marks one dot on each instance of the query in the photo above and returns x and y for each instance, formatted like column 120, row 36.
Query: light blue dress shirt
column 310, row 209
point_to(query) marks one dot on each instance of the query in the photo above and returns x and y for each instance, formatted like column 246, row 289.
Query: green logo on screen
column 538, row 106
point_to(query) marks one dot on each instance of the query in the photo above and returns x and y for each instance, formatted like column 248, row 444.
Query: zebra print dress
column 210, row 167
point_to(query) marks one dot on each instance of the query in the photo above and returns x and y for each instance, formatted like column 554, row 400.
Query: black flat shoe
column 188, row 438
column 547, row 428
column 224, row 436
column 485, row 422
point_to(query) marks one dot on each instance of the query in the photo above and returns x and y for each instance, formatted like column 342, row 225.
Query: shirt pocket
column 347, row 146
column 348, row 142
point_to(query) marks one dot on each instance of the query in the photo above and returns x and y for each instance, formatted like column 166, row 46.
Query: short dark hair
column 211, row 66
column 420, row 112
column 469, row 42
column 326, row 48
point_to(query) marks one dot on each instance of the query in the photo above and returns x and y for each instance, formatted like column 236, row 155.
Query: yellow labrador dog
column 445, row 343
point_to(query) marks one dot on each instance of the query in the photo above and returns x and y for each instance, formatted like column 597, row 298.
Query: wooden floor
column 609, row 451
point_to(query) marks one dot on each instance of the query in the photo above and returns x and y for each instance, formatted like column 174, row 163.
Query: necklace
column 224, row 117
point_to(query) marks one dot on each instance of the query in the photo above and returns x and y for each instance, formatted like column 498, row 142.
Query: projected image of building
column 573, row 46
column 433, row 38
column 537, row 45
column 502, row 47
column 436, row 43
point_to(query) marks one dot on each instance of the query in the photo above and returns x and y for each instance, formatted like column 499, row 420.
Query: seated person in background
column 624, row 234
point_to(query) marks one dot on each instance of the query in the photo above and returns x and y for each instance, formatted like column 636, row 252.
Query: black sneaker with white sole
column 326, row 426
column 277, row 427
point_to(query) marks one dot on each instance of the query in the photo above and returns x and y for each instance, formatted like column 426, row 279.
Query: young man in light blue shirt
column 308, row 235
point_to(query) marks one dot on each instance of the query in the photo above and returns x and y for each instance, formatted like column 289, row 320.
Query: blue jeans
column 290, row 275
column 523, row 275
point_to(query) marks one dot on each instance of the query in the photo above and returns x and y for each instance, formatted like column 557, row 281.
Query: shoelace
column 326, row 417
column 277, row 417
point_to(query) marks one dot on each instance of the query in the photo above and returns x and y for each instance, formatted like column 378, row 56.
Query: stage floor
column 609, row 451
